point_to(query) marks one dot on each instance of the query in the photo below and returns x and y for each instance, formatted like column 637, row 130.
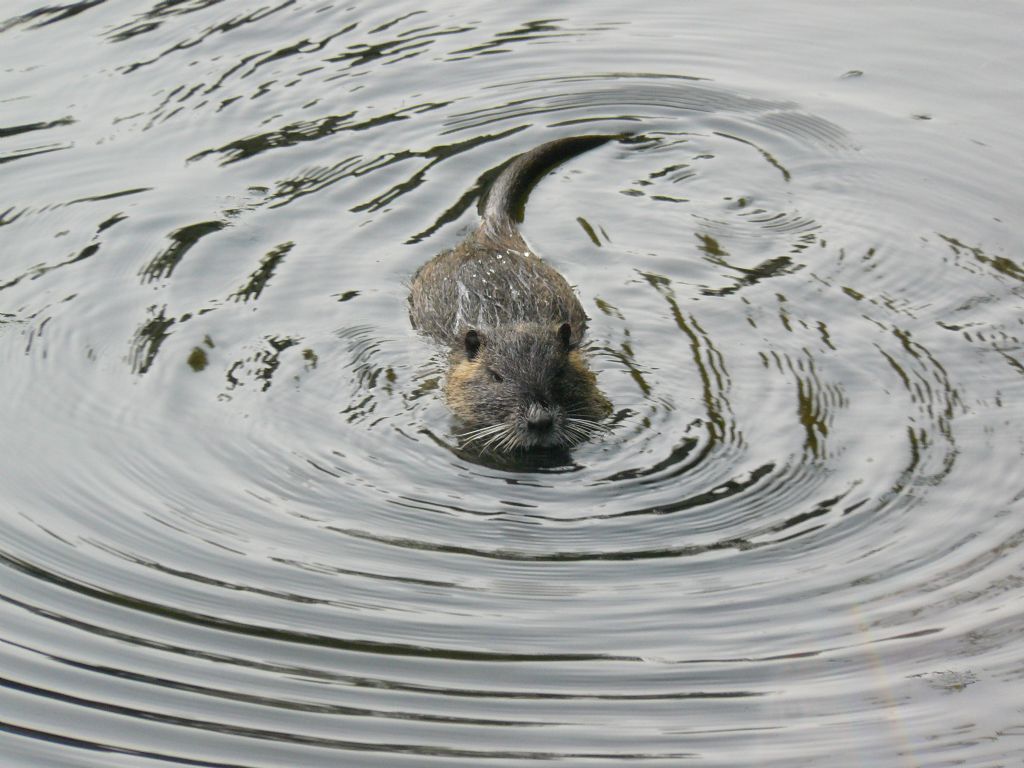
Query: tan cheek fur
column 597, row 404
column 460, row 381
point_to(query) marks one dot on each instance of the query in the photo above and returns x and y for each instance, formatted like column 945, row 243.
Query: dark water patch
column 52, row 14
column 163, row 264
column 14, row 130
column 222, row 27
column 28, row 152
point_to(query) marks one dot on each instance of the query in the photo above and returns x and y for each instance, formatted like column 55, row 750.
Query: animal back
column 477, row 285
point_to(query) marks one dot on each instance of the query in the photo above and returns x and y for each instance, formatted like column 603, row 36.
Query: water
column 236, row 528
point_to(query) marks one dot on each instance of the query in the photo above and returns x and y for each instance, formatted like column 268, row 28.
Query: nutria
column 517, row 378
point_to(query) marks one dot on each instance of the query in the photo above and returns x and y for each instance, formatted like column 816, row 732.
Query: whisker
column 495, row 430
column 504, row 437
column 589, row 425
column 470, row 439
column 514, row 440
column 481, row 432
column 499, row 442
column 497, row 437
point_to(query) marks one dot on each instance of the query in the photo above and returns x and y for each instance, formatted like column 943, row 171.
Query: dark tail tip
column 503, row 206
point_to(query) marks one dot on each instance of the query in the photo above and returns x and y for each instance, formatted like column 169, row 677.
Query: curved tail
column 502, row 209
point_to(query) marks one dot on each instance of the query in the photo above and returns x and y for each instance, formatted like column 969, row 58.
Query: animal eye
column 495, row 376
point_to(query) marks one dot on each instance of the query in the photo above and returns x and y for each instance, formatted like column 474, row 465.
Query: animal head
column 524, row 387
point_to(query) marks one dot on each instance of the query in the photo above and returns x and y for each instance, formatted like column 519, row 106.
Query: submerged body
column 517, row 378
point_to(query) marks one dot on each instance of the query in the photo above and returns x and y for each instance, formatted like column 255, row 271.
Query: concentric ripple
column 237, row 528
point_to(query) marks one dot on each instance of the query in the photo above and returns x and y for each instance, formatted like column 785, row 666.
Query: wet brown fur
column 517, row 377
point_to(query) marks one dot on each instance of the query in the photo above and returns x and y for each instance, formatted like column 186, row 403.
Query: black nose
column 540, row 422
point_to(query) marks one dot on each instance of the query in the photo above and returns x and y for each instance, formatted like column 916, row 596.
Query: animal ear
column 565, row 335
column 472, row 344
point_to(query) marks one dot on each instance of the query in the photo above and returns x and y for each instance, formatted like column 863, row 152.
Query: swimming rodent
column 517, row 379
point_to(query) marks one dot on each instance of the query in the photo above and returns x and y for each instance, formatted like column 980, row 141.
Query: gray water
column 235, row 526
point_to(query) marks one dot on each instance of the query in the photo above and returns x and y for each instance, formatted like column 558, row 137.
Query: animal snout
column 539, row 419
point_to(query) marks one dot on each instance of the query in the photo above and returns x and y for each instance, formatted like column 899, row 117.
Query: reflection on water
column 237, row 526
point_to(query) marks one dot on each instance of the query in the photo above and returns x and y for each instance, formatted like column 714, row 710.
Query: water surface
column 237, row 529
